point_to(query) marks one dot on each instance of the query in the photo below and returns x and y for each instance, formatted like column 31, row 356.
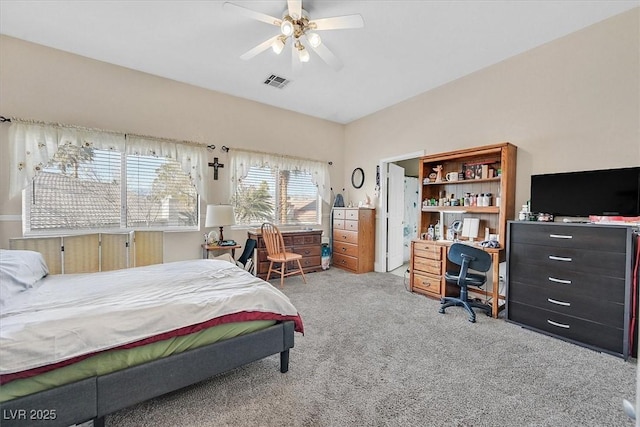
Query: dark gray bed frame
column 96, row 397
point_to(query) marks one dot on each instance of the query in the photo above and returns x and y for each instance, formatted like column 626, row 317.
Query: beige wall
column 40, row 83
column 571, row 104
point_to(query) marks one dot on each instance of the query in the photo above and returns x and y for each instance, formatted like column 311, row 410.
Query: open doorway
column 397, row 223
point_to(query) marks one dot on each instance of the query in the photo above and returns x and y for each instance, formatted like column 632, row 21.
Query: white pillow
column 19, row 271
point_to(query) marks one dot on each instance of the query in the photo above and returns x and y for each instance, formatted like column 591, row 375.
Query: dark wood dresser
column 572, row 281
column 307, row 243
column 354, row 238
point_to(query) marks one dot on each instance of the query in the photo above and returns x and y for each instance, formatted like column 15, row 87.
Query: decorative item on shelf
column 438, row 171
column 219, row 216
column 452, row 176
column 432, row 177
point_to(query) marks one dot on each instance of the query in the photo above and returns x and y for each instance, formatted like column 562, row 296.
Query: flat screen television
column 611, row 192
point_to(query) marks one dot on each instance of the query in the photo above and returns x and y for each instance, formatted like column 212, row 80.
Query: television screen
column 613, row 192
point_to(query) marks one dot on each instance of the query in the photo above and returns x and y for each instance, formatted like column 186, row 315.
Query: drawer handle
column 559, row 325
column 344, row 249
column 426, row 283
column 307, row 252
column 566, row 282
column 555, row 301
column 559, row 258
column 560, row 236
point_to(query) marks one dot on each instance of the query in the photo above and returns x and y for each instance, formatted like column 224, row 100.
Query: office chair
column 467, row 257
column 246, row 259
column 276, row 253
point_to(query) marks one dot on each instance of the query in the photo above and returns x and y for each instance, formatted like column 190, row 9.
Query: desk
column 208, row 248
column 428, row 264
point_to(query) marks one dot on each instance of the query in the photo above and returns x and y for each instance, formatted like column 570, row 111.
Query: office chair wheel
column 441, row 311
column 472, row 319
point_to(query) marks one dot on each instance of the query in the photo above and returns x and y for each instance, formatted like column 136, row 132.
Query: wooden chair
column 276, row 253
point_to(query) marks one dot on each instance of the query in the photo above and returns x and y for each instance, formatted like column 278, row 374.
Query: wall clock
column 357, row 178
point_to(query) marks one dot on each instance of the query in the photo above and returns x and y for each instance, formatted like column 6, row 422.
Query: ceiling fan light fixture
column 303, row 53
column 314, row 39
column 278, row 45
column 287, row 28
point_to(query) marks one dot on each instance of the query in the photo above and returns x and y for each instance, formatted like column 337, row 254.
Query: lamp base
column 221, row 235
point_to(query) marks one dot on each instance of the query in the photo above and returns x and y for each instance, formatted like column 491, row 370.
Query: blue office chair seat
column 467, row 257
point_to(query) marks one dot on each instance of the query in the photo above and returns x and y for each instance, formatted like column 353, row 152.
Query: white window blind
column 275, row 195
column 84, row 188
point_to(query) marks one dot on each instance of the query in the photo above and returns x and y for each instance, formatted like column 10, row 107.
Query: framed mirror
column 357, row 178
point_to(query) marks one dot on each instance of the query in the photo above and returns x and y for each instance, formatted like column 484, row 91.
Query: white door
column 395, row 216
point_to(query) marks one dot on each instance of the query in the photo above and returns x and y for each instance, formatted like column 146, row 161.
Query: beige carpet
column 376, row 355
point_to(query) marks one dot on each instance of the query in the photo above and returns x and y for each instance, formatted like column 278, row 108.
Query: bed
column 77, row 347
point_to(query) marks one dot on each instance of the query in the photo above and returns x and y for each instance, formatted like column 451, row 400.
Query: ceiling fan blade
column 234, row 8
column 338, row 22
column 295, row 8
column 327, row 56
column 259, row 49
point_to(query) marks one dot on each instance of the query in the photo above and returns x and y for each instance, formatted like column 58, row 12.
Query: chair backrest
column 478, row 259
column 272, row 238
column 249, row 247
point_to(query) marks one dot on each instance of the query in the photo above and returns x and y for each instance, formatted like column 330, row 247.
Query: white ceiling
column 406, row 47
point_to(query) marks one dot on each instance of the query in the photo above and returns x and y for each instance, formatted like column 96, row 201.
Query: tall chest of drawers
column 354, row 239
column 572, row 281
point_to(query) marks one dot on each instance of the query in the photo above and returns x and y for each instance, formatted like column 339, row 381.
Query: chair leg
column 451, row 302
column 283, row 268
column 270, row 270
column 302, row 272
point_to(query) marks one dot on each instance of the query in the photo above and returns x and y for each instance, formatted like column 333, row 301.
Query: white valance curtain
column 33, row 144
column 243, row 160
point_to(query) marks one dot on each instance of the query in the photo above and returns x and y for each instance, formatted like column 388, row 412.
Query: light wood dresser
column 354, row 239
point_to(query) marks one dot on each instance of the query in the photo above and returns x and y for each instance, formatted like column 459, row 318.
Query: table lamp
column 219, row 216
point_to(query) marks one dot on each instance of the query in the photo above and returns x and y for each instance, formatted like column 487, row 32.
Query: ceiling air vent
column 276, row 81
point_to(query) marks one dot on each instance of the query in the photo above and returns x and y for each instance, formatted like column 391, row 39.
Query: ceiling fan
column 299, row 31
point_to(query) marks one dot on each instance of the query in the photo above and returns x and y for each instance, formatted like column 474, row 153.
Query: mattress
column 66, row 318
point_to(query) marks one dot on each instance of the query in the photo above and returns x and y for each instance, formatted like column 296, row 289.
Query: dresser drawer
column 345, row 249
column 602, row 239
column 339, row 214
column 427, row 283
column 338, row 224
column 583, row 260
column 579, row 330
column 351, row 225
column 345, row 236
column 306, row 262
column 314, row 239
column 570, row 302
column 427, row 249
column 308, row 251
column 344, row 261
column 553, row 277
column 351, row 214
column 427, row 265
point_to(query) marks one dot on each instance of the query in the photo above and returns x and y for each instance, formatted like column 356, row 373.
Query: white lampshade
column 277, row 45
column 303, row 54
column 286, row 27
column 219, row 216
column 314, row 39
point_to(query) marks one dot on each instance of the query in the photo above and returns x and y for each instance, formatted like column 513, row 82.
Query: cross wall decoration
column 215, row 165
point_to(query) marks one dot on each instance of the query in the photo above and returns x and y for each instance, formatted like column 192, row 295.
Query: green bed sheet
column 115, row 360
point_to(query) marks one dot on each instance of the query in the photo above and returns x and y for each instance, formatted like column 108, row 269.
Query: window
column 84, row 188
column 280, row 189
column 278, row 196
